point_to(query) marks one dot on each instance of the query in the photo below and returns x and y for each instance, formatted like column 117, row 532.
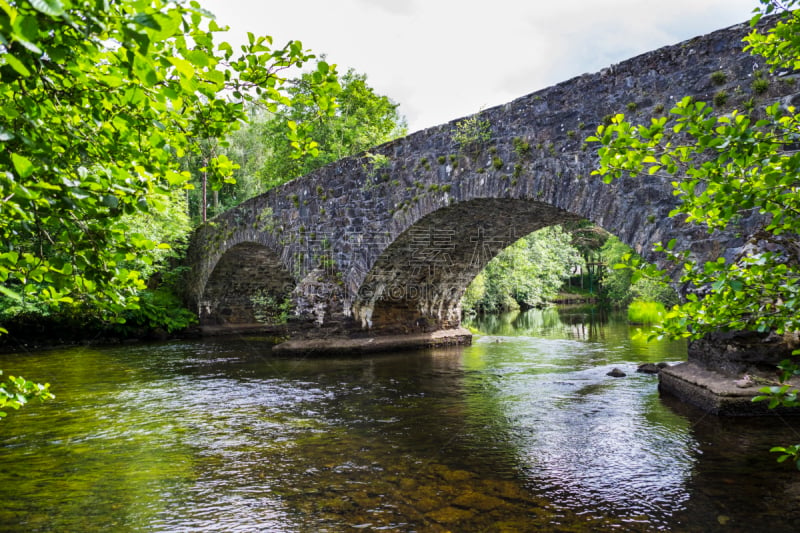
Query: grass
column 640, row 312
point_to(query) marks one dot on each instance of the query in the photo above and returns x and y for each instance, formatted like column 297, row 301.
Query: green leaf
column 27, row 33
column 54, row 8
column 185, row 68
column 8, row 293
column 16, row 64
column 169, row 24
column 109, row 200
column 198, row 58
column 22, row 165
column 144, row 70
column 147, row 20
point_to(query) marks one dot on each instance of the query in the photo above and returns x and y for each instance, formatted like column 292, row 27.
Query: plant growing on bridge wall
column 375, row 164
column 720, row 98
column 265, row 220
column 521, row 147
column 269, row 309
column 723, row 166
column 719, row 77
column 471, row 133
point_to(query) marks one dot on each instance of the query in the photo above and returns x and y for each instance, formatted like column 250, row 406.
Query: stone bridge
column 382, row 245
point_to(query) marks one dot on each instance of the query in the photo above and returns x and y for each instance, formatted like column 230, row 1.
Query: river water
column 522, row 431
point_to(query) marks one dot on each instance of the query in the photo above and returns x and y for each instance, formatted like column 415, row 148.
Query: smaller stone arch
column 248, row 286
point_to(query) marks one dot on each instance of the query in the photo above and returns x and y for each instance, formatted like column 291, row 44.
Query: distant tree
column 265, row 152
column 618, row 288
column 363, row 119
column 589, row 238
column 526, row 274
column 616, row 282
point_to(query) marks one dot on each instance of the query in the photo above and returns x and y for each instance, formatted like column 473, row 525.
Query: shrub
column 641, row 312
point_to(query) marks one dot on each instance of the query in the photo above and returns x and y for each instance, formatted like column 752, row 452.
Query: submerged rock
column 450, row 515
column 478, row 501
column 649, row 368
column 616, row 373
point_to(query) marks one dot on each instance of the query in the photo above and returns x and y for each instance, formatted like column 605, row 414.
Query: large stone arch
column 417, row 283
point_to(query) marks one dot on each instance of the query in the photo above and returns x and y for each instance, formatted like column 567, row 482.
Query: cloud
column 395, row 7
column 444, row 59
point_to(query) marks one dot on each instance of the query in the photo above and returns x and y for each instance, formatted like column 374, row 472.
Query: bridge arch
column 417, row 282
column 246, row 287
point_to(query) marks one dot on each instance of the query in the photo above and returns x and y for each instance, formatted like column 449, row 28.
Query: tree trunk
column 204, row 189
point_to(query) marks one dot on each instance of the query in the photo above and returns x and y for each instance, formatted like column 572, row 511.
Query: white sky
column 444, row 59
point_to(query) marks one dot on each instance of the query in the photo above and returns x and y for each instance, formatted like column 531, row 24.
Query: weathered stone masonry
column 385, row 243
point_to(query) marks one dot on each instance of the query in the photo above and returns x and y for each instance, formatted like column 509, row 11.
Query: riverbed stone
column 450, row 515
column 454, row 476
column 478, row 501
column 506, row 490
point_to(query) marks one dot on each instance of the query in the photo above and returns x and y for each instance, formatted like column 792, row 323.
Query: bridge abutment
column 725, row 371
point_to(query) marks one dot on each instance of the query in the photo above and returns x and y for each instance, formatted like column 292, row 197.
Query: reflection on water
column 523, row 431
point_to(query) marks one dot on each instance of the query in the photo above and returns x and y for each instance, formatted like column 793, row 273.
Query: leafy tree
column 266, row 156
column 618, row 287
column 476, row 290
column 616, row 283
column 250, row 148
column 99, row 102
column 362, row 119
column 724, row 166
column 589, row 238
column 471, row 133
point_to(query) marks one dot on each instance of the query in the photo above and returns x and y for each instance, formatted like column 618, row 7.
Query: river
column 522, row 431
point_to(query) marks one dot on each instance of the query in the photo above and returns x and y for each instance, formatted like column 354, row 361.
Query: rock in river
column 648, row 368
column 616, row 373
